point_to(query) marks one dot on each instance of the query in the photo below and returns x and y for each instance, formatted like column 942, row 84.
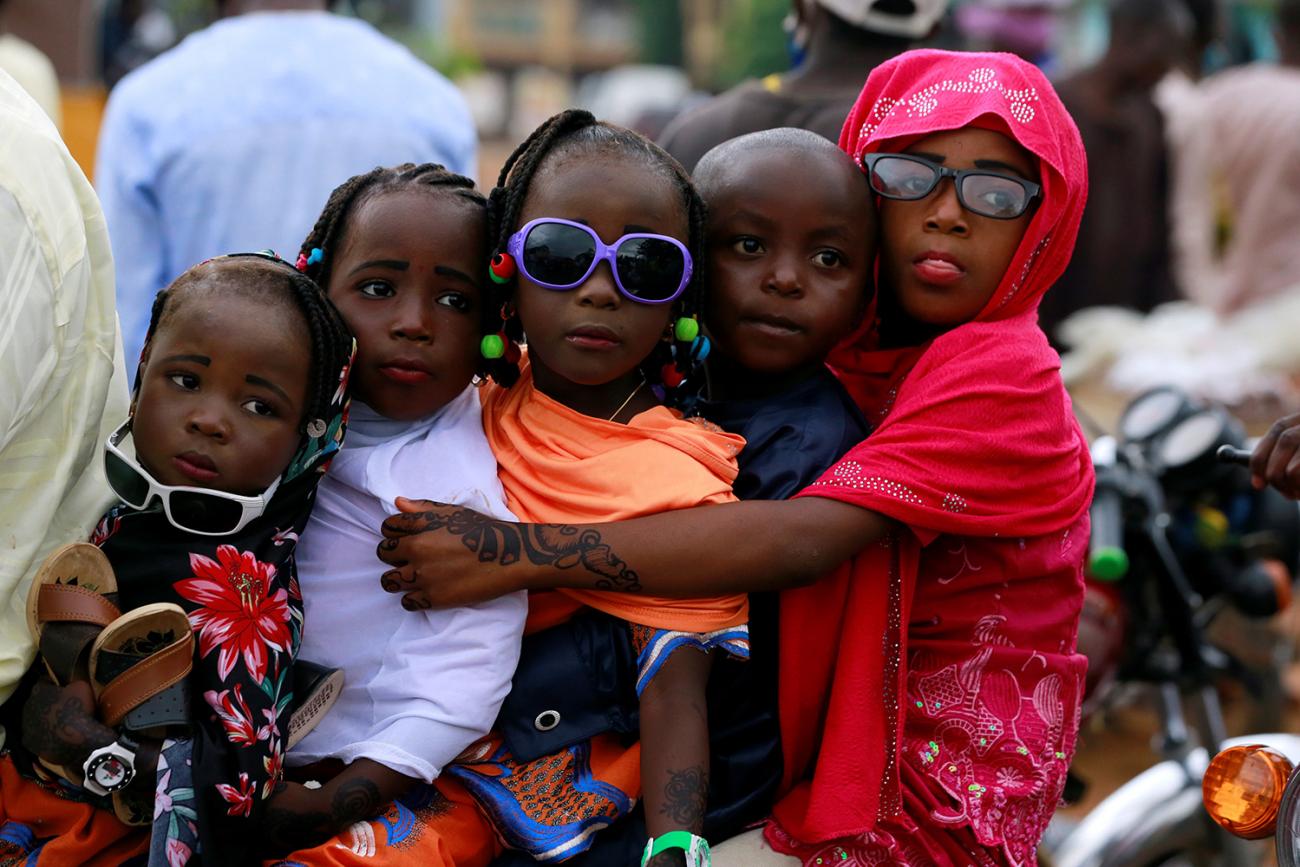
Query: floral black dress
column 241, row 594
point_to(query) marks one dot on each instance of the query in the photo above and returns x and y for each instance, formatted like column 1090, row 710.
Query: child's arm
column 675, row 748
column 686, row 553
column 299, row 818
column 59, row 726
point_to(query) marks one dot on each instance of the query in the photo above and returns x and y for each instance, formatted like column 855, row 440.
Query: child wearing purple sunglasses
column 596, row 231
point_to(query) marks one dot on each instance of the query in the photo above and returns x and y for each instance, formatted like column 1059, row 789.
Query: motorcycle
column 1179, row 537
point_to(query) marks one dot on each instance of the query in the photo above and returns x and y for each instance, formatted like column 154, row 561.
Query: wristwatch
column 110, row 769
column 695, row 847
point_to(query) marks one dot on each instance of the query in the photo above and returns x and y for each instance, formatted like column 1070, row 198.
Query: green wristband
column 695, row 847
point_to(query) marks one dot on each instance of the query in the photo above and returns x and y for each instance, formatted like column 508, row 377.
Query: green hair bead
column 492, row 346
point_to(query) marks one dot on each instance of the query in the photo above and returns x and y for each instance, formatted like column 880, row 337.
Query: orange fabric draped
column 558, row 465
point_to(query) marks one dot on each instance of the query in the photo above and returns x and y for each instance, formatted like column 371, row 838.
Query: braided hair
column 577, row 130
column 267, row 277
column 332, row 225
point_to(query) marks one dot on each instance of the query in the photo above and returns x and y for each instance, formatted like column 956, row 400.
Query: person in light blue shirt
column 234, row 139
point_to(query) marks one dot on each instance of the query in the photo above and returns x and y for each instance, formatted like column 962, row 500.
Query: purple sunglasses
column 561, row 254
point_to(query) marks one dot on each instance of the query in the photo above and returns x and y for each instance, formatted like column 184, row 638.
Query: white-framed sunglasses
column 201, row 511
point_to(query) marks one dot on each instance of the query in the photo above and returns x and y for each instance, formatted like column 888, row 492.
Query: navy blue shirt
column 790, row 440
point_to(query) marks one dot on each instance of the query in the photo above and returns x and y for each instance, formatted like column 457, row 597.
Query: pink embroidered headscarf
column 974, row 439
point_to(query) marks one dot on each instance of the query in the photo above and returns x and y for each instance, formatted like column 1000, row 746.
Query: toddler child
column 238, row 407
column 602, row 289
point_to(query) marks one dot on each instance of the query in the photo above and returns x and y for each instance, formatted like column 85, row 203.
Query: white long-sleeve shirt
column 419, row 687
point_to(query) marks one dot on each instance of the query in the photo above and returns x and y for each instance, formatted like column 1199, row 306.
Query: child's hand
column 445, row 556
column 296, row 818
column 300, row 818
column 59, row 724
column 1276, row 460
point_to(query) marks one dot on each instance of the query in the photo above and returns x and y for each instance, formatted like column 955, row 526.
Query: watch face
column 111, row 773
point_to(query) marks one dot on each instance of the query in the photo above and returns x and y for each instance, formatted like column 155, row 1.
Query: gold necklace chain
column 622, row 406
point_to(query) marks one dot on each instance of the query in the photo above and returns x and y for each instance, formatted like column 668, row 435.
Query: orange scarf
column 558, row 465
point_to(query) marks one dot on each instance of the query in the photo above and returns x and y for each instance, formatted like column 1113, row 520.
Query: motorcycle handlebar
column 1233, row 455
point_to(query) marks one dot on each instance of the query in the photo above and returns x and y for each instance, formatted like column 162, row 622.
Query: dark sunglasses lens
column 994, row 196
column 650, row 268
column 196, row 511
column 897, row 178
column 558, row 254
column 129, row 485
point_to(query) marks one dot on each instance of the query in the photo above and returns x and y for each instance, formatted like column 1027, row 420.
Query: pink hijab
column 974, row 438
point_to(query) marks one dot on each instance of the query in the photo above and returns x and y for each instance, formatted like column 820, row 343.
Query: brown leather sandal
column 139, row 670
column 72, row 598
column 139, row 667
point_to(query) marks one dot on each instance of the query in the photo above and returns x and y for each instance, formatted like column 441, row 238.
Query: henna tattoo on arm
column 286, row 830
column 562, row 546
column 60, row 726
column 304, row 818
column 685, row 797
column 354, row 800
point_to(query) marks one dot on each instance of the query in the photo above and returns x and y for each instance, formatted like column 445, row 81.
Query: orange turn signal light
column 1243, row 788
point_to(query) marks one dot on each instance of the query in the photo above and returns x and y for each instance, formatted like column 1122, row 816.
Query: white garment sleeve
column 441, row 684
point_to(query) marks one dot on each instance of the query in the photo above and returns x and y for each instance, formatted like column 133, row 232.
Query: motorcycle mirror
column 1187, row 453
column 1153, row 412
column 1243, row 787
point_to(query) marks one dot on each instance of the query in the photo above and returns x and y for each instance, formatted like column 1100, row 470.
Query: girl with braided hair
column 401, row 252
column 597, row 232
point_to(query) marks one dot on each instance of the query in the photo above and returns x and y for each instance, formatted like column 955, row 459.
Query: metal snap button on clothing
column 547, row 720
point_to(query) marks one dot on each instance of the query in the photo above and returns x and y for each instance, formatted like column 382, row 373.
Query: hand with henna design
column 59, row 724
column 301, row 818
column 447, row 555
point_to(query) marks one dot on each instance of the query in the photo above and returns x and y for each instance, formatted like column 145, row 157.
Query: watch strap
column 695, row 847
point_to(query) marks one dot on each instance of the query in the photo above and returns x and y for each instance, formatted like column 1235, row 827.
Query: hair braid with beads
column 332, row 224
column 259, row 275
column 577, row 130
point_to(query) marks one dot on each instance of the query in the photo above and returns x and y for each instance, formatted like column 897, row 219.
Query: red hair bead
column 501, row 268
column 512, row 354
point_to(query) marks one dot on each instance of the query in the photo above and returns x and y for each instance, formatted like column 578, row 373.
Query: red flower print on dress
column 274, row 765
column 237, row 612
column 241, row 799
column 236, row 718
